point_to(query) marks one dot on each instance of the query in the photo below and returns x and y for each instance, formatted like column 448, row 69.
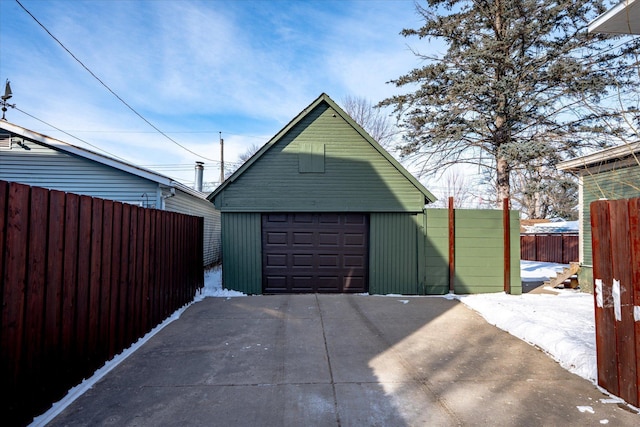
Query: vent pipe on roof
column 199, row 172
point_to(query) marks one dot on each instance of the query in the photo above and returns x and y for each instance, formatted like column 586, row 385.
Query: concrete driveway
column 339, row 360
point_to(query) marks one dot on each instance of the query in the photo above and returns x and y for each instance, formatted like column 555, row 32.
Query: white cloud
column 246, row 68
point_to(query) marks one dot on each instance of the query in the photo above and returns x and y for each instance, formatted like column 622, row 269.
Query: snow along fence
column 615, row 229
column 82, row 279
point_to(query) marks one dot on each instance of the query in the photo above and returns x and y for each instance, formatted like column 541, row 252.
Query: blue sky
column 195, row 68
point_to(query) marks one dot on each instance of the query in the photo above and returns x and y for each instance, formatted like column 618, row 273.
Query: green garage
column 322, row 207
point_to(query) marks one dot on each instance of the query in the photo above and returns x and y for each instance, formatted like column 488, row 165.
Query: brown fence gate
column 615, row 228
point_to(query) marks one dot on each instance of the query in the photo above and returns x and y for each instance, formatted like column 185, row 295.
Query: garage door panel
column 354, row 284
column 277, row 238
column 357, row 240
column 302, row 260
column 354, row 261
column 328, row 239
column 330, row 218
column 302, row 283
column 332, row 261
column 277, row 217
column 328, row 283
column 276, row 260
column 355, row 219
column 305, row 252
column 303, row 218
column 302, row 239
column 276, row 282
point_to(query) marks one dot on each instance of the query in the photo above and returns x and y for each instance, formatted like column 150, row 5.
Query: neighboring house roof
column 323, row 98
column 99, row 158
column 621, row 19
column 626, row 152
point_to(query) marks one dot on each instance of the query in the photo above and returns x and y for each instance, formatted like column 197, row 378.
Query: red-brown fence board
column 634, row 237
column 116, row 264
column 36, row 280
column 53, row 299
column 132, row 310
column 81, row 280
column 105, row 280
column 4, row 201
column 84, row 284
column 13, row 301
column 123, row 313
column 95, row 271
column 138, row 302
column 561, row 248
column 153, row 285
column 604, row 317
column 619, row 210
column 616, row 252
column 146, row 266
column 570, row 248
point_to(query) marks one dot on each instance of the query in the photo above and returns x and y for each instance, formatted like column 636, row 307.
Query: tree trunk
column 503, row 184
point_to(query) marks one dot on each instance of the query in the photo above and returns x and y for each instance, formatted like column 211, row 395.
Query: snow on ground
column 538, row 271
column 213, row 286
column 562, row 325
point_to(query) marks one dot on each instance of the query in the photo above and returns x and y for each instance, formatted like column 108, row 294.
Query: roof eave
column 624, row 18
column 613, row 153
column 81, row 152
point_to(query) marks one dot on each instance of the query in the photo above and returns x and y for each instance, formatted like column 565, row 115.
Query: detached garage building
column 322, row 207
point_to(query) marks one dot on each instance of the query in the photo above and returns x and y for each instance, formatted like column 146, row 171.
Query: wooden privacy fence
column 82, row 279
column 472, row 250
column 615, row 229
column 550, row 247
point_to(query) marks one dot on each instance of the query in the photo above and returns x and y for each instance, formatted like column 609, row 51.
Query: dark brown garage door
column 305, row 252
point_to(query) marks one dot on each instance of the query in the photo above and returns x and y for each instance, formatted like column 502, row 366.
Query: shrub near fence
column 82, row 279
column 550, row 247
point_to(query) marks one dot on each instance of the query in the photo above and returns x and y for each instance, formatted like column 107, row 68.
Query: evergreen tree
column 540, row 192
column 516, row 85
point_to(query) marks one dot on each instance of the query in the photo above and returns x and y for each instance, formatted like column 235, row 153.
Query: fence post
column 506, row 226
column 452, row 246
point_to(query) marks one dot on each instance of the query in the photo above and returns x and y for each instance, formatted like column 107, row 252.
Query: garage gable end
column 322, row 161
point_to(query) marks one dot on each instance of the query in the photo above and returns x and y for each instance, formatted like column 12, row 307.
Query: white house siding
column 42, row 166
column 191, row 205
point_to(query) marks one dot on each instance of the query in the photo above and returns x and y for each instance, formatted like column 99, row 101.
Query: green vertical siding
column 393, row 253
column 437, row 252
column 516, row 279
column 242, row 252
